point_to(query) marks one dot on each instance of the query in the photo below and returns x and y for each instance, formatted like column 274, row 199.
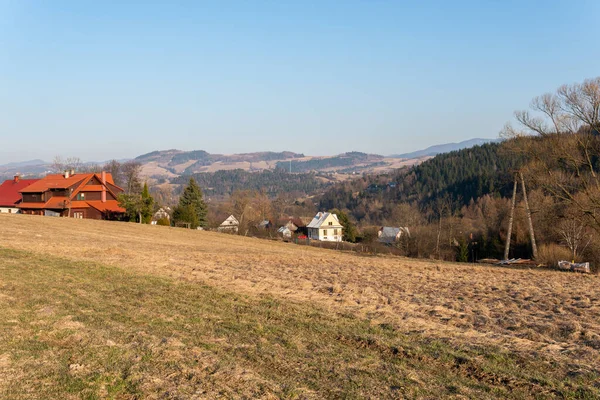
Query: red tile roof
column 92, row 188
column 9, row 191
column 32, row 205
column 54, row 181
column 109, row 205
column 58, row 181
column 58, row 203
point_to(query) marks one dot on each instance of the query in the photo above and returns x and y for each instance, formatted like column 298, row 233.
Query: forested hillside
column 341, row 161
column 460, row 176
column 272, row 182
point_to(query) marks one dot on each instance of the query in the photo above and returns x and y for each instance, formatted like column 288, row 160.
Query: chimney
column 103, row 175
column 72, row 172
column 66, row 173
column 16, row 179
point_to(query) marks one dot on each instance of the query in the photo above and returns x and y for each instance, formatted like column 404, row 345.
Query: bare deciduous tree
column 511, row 219
column 574, row 235
column 563, row 161
column 131, row 176
column 116, row 170
column 61, row 164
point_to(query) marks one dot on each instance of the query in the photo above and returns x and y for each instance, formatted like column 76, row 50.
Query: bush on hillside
column 164, row 222
column 550, row 254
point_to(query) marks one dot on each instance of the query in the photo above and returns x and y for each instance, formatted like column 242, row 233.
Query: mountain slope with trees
column 460, row 176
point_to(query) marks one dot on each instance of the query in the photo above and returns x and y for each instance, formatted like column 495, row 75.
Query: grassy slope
column 78, row 328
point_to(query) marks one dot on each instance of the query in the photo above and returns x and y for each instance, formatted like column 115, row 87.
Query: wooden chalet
column 91, row 196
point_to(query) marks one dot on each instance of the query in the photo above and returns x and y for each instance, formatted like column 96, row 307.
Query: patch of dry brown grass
column 529, row 312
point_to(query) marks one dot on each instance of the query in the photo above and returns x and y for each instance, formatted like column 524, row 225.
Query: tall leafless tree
column 131, row 171
column 563, row 161
column 115, row 168
column 61, row 164
column 529, row 220
column 511, row 219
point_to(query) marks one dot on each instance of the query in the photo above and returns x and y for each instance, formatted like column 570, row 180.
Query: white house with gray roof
column 325, row 227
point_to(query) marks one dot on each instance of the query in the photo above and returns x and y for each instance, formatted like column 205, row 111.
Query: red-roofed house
column 92, row 196
column 9, row 194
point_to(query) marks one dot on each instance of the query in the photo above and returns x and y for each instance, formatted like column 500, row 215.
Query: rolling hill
column 167, row 164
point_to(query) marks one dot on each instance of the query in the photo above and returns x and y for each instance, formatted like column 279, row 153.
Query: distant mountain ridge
column 173, row 163
column 28, row 163
column 445, row 148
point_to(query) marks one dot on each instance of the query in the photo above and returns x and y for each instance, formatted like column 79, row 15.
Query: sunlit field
column 98, row 309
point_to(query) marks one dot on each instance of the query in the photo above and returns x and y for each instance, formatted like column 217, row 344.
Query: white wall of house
column 9, row 210
column 329, row 230
column 330, row 234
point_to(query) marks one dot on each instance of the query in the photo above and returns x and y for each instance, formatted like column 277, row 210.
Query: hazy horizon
column 112, row 80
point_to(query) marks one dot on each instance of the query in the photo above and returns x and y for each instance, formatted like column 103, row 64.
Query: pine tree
column 147, row 202
column 138, row 206
column 191, row 200
column 349, row 231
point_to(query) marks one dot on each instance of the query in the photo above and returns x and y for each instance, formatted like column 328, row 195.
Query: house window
column 78, row 214
column 80, row 196
column 335, row 232
column 330, row 223
column 324, row 232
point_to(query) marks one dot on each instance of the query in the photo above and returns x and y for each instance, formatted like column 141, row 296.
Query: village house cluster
column 94, row 196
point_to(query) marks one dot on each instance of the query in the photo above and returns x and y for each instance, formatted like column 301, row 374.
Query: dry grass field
column 94, row 309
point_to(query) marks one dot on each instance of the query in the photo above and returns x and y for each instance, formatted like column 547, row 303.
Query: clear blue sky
column 101, row 79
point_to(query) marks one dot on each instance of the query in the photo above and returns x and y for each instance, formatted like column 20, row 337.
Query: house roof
column 58, row 181
column 60, row 203
column 388, row 234
column 109, row 205
column 9, row 191
column 54, row 181
column 92, row 188
column 389, row 231
column 321, row 217
column 57, row 202
column 231, row 220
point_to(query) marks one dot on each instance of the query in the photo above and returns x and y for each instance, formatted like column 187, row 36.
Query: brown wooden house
column 92, row 196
